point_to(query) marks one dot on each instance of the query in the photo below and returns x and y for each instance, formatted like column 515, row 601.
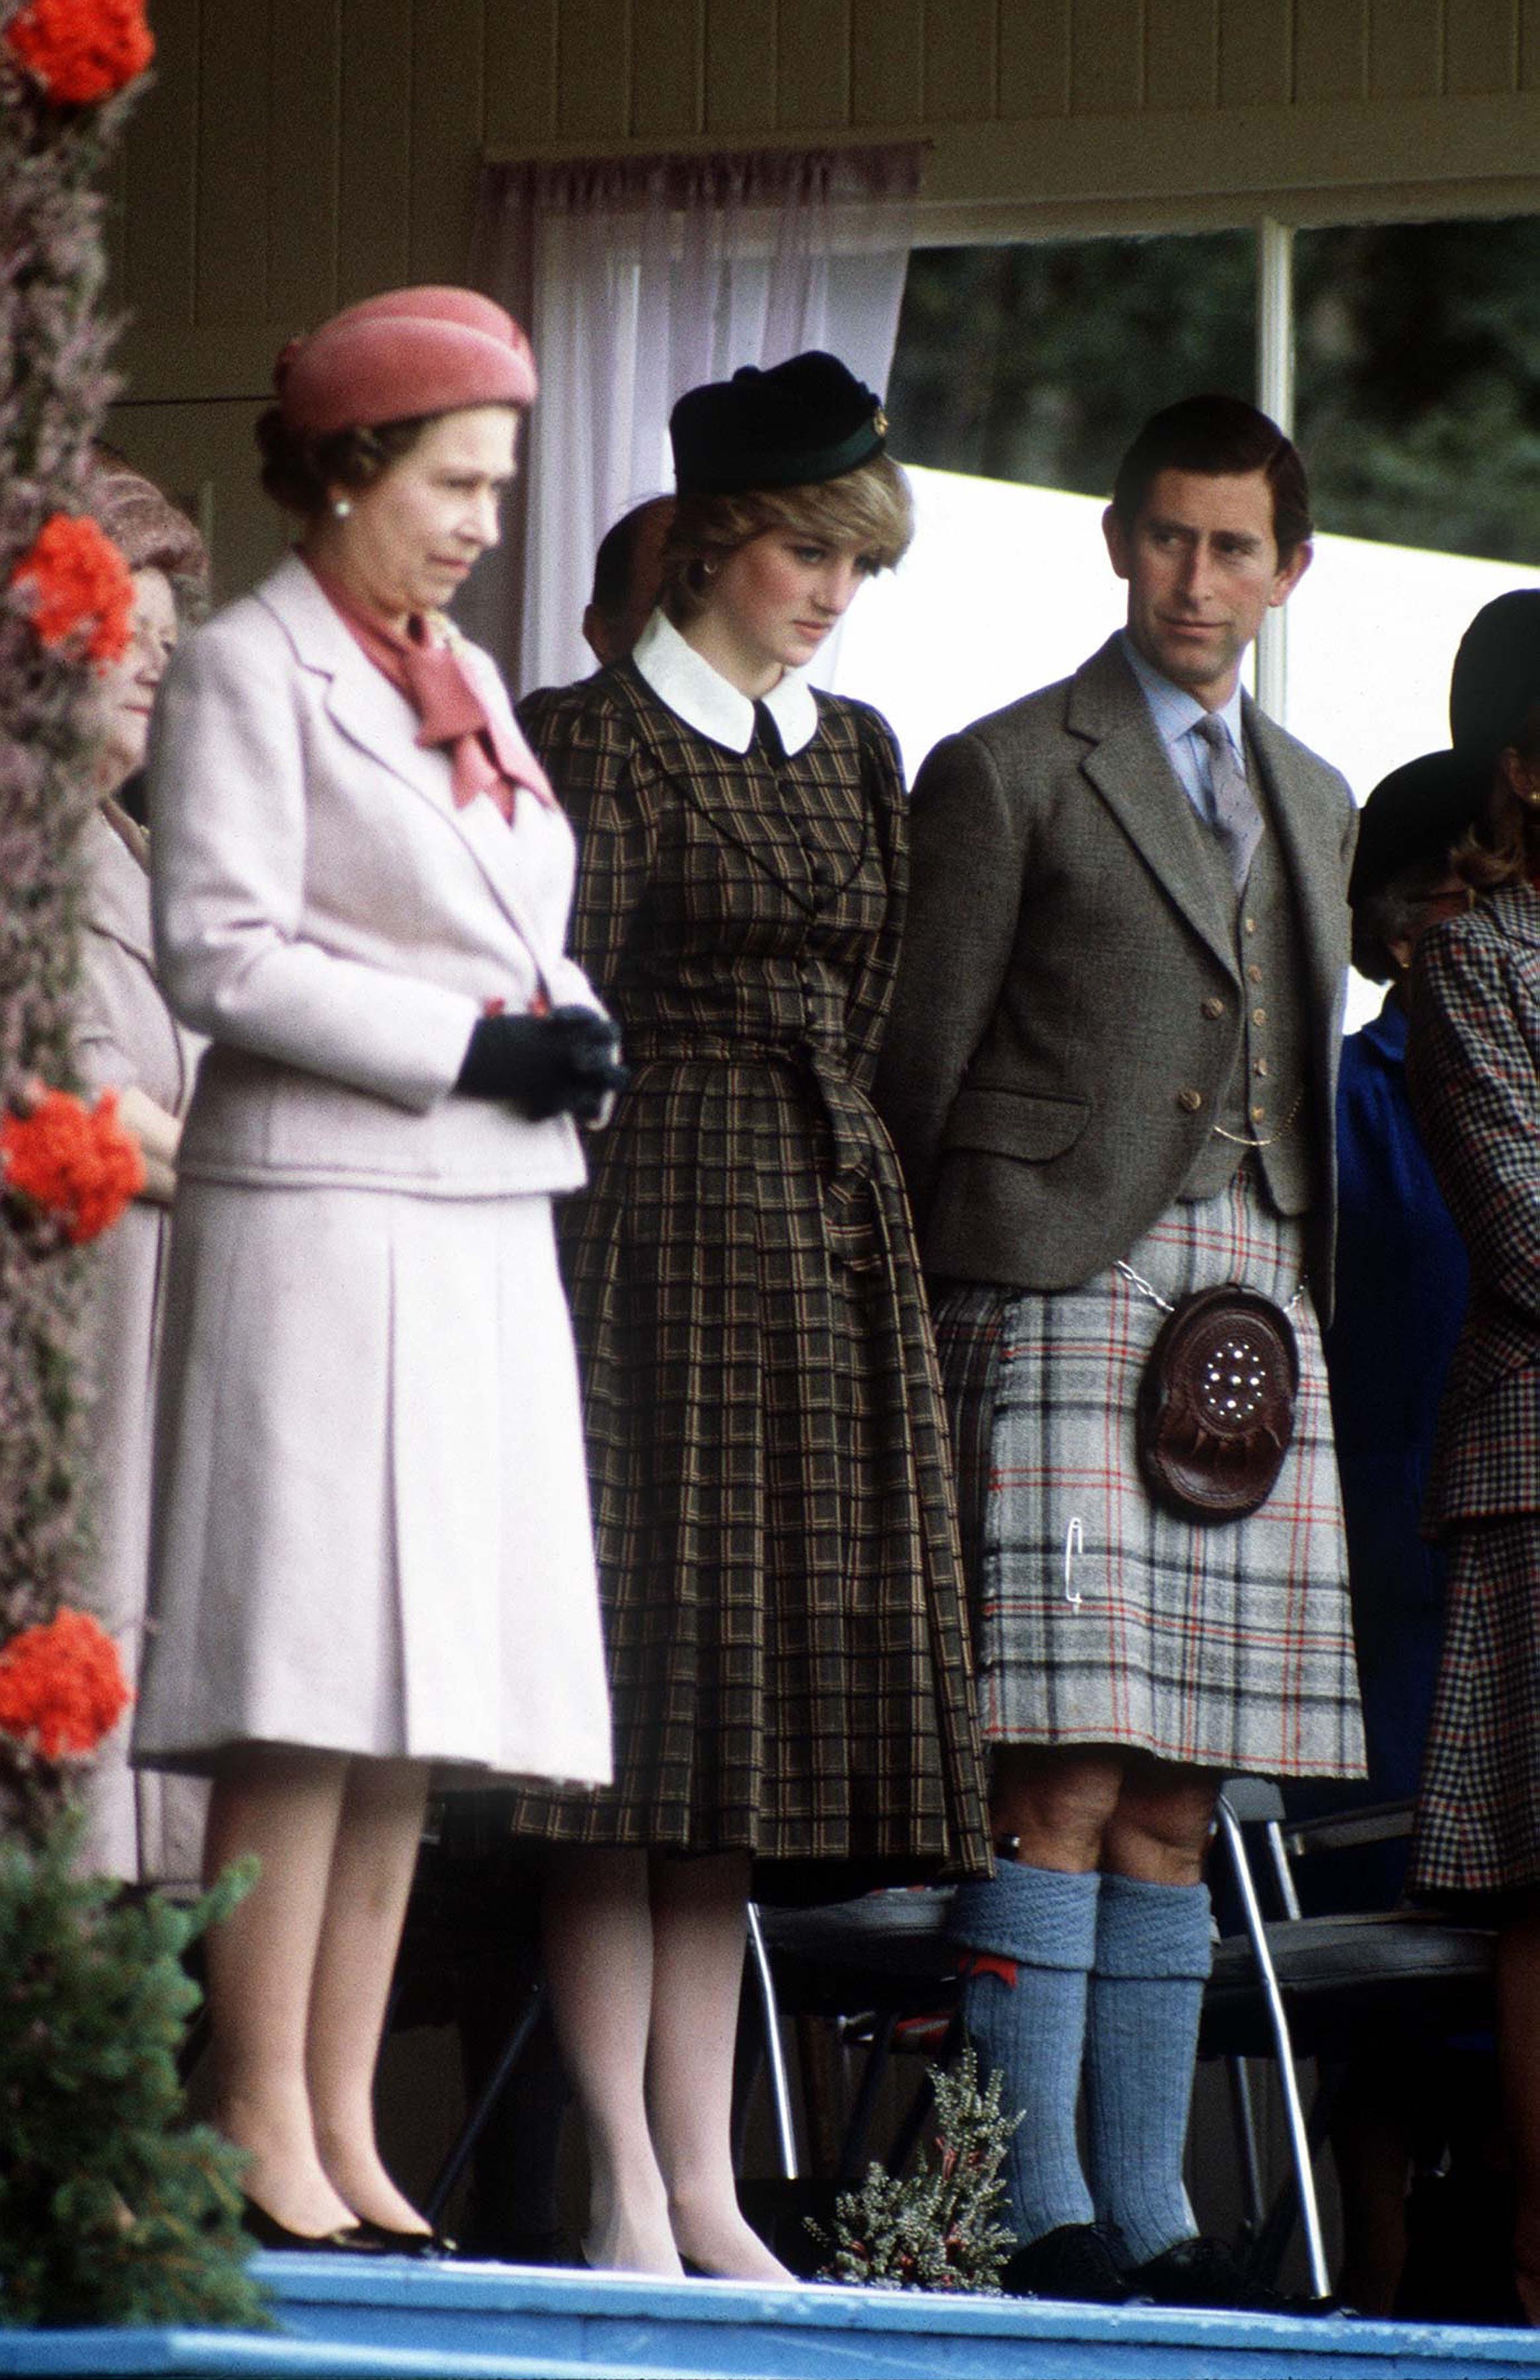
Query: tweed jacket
column 1473, row 1071
column 334, row 923
column 1069, row 990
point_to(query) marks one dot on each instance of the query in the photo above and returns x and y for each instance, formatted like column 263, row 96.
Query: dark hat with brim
column 799, row 423
column 1413, row 820
column 1496, row 680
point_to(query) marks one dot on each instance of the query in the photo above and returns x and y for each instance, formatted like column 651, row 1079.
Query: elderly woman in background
column 372, row 1552
column 774, row 1511
column 1473, row 1069
column 126, row 1040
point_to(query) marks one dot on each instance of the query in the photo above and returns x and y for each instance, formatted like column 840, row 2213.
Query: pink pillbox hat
column 408, row 351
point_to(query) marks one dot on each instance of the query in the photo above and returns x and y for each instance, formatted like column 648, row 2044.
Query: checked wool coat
column 1474, row 1070
column 773, row 1509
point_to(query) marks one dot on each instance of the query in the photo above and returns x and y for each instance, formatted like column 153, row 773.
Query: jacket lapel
column 366, row 709
column 117, row 894
column 1313, row 856
column 1127, row 765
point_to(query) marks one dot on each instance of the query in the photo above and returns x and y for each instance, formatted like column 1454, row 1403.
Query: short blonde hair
column 869, row 508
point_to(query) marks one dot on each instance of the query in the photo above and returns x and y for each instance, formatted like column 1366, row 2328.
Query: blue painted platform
column 390, row 2320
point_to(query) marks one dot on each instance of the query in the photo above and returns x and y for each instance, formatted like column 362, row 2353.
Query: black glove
column 565, row 1063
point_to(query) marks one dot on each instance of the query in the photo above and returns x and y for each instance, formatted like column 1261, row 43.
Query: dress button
column 1259, row 1115
column 1259, row 1016
column 1253, row 973
column 1212, row 1008
column 1262, row 1067
column 1251, row 925
column 1190, row 1101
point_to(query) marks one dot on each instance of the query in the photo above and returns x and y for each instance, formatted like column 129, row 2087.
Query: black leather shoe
column 387, row 2243
column 1208, row 2273
column 264, row 2230
column 1072, row 2261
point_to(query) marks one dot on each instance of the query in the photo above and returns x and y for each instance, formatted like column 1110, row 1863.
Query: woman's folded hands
column 565, row 1063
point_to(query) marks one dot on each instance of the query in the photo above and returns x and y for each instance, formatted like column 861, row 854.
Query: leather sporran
column 1216, row 1410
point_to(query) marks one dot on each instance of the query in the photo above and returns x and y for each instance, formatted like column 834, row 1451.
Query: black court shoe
column 387, row 2242
column 264, row 2230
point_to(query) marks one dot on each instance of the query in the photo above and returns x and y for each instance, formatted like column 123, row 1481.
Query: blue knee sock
column 1152, row 1958
column 1032, row 2031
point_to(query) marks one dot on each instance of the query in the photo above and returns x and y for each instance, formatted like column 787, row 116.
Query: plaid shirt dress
column 773, row 1506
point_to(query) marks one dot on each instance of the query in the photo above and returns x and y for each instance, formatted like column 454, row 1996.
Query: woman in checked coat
column 774, row 1521
column 1473, row 1071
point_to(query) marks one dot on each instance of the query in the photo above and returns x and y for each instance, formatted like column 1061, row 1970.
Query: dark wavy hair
column 1218, row 436
column 300, row 472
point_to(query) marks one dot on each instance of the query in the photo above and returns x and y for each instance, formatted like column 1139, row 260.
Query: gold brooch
column 879, row 423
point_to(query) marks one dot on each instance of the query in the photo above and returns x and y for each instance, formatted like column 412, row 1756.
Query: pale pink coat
column 372, row 1529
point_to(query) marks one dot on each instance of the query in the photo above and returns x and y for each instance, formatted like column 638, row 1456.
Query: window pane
column 1418, row 382
column 1039, row 363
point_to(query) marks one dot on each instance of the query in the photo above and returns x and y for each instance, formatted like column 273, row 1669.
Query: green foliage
column 1418, row 366
column 109, row 2214
column 938, row 2228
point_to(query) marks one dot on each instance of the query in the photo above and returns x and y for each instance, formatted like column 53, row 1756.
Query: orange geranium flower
column 78, row 1163
column 62, row 1687
column 80, row 586
column 81, row 50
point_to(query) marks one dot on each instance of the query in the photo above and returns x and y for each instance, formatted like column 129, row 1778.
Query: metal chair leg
column 775, row 2055
column 1246, row 2143
column 474, row 2124
column 1299, row 2142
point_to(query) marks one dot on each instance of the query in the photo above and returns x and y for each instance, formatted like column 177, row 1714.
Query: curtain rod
column 697, row 144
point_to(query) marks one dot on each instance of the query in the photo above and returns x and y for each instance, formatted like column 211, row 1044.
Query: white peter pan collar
column 702, row 697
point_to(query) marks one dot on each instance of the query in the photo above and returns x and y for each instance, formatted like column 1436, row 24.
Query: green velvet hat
column 798, row 423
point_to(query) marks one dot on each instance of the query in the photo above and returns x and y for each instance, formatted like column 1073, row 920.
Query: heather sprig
column 938, row 2228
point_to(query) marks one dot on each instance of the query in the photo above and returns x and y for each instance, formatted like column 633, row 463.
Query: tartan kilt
column 784, row 1609
column 1229, row 1646
column 1478, row 1809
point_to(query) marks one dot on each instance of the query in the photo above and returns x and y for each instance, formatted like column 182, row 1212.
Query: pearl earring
column 341, row 509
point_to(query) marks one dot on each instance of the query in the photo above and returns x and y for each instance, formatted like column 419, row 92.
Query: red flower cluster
column 80, row 1164
column 80, row 586
column 81, row 50
column 62, row 1687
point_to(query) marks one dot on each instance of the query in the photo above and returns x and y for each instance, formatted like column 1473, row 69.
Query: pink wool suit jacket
column 335, row 925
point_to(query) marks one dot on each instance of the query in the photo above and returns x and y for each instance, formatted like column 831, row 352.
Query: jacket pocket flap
column 1015, row 1124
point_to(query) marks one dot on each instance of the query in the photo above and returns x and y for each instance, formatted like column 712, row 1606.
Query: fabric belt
column 845, row 1109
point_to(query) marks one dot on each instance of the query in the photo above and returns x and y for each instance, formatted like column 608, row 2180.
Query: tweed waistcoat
column 1272, row 1039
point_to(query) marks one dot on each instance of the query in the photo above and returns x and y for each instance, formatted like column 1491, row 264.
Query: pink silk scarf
column 485, row 755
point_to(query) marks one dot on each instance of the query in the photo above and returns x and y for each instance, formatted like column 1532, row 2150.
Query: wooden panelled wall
column 295, row 154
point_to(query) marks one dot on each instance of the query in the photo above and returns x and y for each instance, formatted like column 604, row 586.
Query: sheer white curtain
column 638, row 280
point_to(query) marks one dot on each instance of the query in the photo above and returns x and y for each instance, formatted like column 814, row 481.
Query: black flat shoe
column 1208, row 2273
column 264, row 2230
column 387, row 2243
column 1074, row 2260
